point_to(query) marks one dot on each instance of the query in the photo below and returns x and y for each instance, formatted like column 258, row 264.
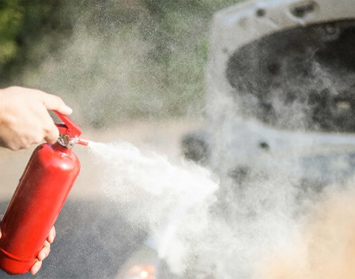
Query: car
column 280, row 114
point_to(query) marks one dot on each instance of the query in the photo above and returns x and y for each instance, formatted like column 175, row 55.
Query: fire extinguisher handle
column 68, row 127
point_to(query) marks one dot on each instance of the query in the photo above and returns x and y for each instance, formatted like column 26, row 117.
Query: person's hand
column 44, row 252
column 24, row 117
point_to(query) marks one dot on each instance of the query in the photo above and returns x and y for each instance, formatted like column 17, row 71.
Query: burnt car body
column 280, row 102
column 283, row 74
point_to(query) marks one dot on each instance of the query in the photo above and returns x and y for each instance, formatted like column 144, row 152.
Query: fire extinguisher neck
column 59, row 147
column 66, row 141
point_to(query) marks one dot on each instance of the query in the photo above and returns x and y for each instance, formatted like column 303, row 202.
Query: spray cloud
column 178, row 205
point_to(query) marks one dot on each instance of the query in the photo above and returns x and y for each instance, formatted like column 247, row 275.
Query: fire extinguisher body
column 35, row 205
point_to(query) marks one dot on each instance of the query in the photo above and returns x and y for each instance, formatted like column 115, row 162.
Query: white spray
column 172, row 202
column 177, row 205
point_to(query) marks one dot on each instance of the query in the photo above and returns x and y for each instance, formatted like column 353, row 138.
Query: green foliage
column 11, row 17
column 22, row 25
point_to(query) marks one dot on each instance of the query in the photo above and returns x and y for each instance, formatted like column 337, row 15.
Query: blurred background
column 110, row 60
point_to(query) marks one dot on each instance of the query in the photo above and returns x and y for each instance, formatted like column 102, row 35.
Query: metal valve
column 69, row 132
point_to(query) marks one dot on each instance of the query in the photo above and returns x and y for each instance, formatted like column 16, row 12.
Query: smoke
column 324, row 247
column 119, row 61
column 266, row 229
column 259, row 225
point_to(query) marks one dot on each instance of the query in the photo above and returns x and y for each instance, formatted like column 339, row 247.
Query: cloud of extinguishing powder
column 268, row 231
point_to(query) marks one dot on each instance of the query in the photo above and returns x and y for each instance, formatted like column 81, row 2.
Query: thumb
column 52, row 135
column 52, row 102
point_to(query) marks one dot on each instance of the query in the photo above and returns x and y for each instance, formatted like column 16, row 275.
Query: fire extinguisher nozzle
column 83, row 142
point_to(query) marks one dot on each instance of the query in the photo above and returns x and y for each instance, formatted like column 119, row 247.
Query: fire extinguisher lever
column 69, row 132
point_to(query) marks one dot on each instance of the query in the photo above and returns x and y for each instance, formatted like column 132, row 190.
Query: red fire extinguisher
column 39, row 198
